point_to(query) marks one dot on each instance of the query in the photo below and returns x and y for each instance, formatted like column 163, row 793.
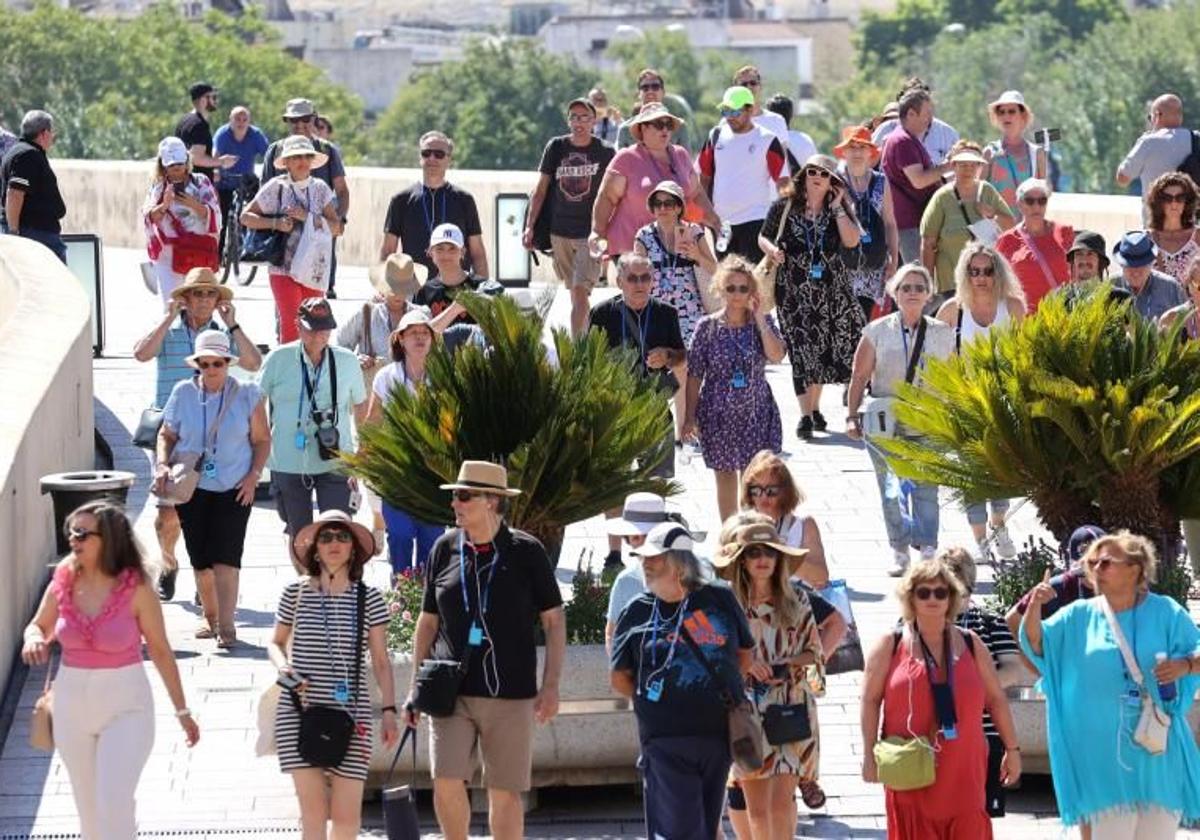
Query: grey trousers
column 293, row 494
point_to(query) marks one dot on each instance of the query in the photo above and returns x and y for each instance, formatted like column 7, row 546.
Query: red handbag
column 191, row 250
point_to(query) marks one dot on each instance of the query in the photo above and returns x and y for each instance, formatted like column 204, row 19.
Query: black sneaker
column 166, row 584
column 804, row 429
column 818, row 420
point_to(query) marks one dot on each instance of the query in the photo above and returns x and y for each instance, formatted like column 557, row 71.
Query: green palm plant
column 568, row 432
column 1087, row 409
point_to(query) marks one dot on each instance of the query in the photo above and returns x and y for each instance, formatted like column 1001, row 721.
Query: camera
column 1047, row 135
column 328, row 440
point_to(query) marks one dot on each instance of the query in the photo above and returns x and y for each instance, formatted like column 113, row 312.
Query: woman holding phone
column 818, row 312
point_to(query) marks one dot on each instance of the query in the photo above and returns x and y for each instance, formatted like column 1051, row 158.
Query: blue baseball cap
column 1081, row 538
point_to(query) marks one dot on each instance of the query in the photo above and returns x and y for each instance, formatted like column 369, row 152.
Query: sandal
column 206, row 631
column 812, row 795
column 226, row 638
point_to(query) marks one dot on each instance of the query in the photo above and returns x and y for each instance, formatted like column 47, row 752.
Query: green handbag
column 904, row 763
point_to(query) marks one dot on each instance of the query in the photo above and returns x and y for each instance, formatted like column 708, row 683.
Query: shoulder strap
column 787, row 209
column 333, row 383
column 918, row 347
column 963, row 209
column 409, row 732
column 958, row 330
column 366, row 342
column 360, row 622
column 1119, row 638
column 897, row 634
column 225, row 404
column 726, row 696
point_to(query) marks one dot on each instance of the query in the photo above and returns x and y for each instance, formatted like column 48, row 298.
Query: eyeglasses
column 1174, row 198
column 768, row 490
column 466, row 495
column 650, row 86
column 639, row 278
column 737, row 290
column 433, row 153
column 938, row 593
column 756, row 551
column 814, row 172
column 330, row 535
column 203, row 293
column 305, row 120
column 976, row 271
column 664, row 204
column 913, row 288
column 217, row 364
column 1102, row 563
column 579, row 117
column 1039, row 200
column 81, row 534
column 750, row 82
column 662, row 125
column 1010, row 112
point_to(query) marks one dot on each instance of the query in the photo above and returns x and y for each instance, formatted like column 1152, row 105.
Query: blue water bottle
column 1166, row 690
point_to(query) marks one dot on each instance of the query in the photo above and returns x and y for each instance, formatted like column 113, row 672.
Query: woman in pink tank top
column 100, row 607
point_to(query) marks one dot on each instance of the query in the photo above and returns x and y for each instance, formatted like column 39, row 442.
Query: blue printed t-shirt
column 178, row 344
column 191, row 415
column 690, row 704
column 281, row 380
column 248, row 150
column 1096, row 766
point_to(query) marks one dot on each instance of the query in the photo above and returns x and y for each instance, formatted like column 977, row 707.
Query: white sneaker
column 985, row 552
column 928, row 552
column 1004, row 543
column 899, row 563
column 148, row 278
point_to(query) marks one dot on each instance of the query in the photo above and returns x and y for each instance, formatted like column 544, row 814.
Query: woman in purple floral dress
column 728, row 399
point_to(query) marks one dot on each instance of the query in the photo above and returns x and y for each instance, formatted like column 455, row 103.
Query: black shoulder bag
column 745, row 733
column 266, row 245
column 435, row 690
column 326, row 731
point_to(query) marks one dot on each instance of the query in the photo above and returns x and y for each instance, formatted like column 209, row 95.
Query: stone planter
column 592, row 741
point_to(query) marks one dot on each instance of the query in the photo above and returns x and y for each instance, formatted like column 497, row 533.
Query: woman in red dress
column 907, row 668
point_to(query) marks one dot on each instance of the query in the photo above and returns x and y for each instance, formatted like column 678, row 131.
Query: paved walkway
column 219, row 789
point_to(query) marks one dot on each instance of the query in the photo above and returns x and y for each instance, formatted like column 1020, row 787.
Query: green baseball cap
column 737, row 97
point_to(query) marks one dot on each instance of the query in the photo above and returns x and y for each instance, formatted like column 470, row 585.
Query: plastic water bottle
column 1166, row 690
column 599, row 248
column 724, row 237
column 689, row 452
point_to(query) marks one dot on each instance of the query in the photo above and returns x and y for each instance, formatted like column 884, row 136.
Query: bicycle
column 231, row 256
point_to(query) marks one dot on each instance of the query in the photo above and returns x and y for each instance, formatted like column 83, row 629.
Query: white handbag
column 879, row 417
column 1153, row 724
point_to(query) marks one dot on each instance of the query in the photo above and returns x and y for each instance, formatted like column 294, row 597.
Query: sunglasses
column 913, row 288
column 81, row 534
column 750, row 83
column 664, row 204
column 330, row 535
column 662, row 125
column 639, row 278
column 1102, row 563
column 814, row 172
column 756, row 551
column 305, row 120
column 1039, row 200
column 650, row 86
column 976, row 271
column 768, row 490
column 1174, row 198
column 1010, row 112
column 737, row 290
column 203, row 293
column 215, row 363
column 730, row 113
column 439, row 154
column 938, row 593
column 465, row 495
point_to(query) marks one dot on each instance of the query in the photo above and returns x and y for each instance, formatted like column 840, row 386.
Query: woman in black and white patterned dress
column 316, row 622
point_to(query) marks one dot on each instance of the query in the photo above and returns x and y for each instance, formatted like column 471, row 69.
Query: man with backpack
column 742, row 166
column 1165, row 146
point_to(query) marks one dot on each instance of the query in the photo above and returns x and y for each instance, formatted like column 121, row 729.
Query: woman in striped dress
column 314, row 642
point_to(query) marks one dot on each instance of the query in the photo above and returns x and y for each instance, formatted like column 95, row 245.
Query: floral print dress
column 675, row 280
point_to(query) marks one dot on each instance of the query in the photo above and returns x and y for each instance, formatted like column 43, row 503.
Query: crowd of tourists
column 900, row 245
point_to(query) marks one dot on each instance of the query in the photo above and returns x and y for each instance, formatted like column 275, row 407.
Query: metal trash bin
column 69, row 490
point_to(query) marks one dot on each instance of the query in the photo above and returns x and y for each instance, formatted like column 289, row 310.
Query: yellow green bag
column 904, row 763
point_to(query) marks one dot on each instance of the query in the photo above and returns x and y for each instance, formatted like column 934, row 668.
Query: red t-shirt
column 1017, row 246
column 901, row 149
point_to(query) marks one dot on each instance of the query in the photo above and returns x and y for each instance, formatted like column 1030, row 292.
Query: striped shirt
column 998, row 639
column 178, row 344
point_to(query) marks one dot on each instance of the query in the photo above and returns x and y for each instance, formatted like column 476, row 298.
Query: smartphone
column 291, row 682
column 779, row 670
column 1047, row 135
column 681, row 232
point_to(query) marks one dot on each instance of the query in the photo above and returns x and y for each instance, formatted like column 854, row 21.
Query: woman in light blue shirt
column 1102, row 777
column 225, row 421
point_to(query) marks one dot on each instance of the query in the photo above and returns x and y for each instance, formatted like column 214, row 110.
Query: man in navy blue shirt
column 246, row 142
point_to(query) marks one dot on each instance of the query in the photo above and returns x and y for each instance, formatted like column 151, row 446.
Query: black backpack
column 1191, row 164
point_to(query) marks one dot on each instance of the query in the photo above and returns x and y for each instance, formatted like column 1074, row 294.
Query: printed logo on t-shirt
column 702, row 630
column 575, row 174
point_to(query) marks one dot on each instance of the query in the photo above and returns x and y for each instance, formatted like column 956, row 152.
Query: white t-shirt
column 389, row 376
column 937, row 140
column 773, row 123
column 1156, row 152
column 801, row 146
column 745, row 172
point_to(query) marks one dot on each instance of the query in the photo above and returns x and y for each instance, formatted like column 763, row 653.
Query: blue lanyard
column 814, row 244
column 862, row 202
column 204, row 412
column 307, row 388
column 643, row 327
column 430, row 212
column 486, row 597
column 744, row 355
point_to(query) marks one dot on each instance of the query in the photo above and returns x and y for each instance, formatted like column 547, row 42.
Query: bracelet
column 234, row 328
column 185, row 712
column 1012, row 749
column 391, row 709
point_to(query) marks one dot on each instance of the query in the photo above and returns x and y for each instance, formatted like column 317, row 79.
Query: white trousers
column 104, row 729
column 167, row 279
column 1146, row 824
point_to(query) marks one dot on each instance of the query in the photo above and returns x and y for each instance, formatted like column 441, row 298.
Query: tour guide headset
column 479, row 632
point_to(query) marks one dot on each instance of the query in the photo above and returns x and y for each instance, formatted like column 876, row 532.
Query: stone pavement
column 220, row 789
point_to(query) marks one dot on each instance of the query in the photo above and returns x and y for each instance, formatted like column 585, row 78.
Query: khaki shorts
column 573, row 264
column 504, row 732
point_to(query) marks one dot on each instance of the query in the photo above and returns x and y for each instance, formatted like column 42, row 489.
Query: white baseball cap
column 664, row 537
column 446, row 232
column 171, row 151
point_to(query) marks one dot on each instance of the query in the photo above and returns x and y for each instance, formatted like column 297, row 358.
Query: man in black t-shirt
column 30, row 203
column 413, row 213
column 485, row 586
column 195, row 132
column 571, row 169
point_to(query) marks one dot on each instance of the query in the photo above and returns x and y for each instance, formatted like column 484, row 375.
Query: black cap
column 200, row 89
column 314, row 314
column 584, row 101
column 1088, row 240
column 1081, row 538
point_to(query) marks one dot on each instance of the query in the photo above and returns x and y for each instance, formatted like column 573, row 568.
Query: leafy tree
column 1079, row 17
column 500, row 104
column 885, row 38
column 116, row 87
